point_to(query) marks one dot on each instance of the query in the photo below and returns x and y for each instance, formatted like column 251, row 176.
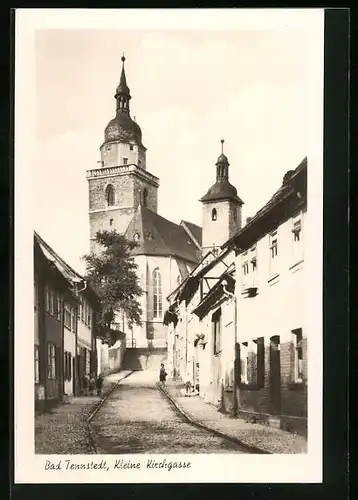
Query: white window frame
column 51, row 361
column 37, row 363
column 67, row 316
column 88, row 315
column 157, row 294
column 297, row 244
column 253, row 265
column 58, row 307
column 274, row 254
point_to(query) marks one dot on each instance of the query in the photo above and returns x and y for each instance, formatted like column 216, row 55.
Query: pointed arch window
column 214, row 214
column 145, row 197
column 110, row 195
column 157, row 294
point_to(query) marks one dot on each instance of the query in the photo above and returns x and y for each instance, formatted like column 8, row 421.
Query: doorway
column 275, row 374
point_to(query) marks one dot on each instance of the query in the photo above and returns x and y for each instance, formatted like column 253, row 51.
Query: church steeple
column 122, row 92
column 222, row 166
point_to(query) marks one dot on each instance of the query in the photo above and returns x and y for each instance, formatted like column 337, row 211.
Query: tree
column 112, row 274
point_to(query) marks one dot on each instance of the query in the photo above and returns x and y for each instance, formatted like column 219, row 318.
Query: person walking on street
column 188, row 383
column 99, row 384
column 91, row 384
column 162, row 374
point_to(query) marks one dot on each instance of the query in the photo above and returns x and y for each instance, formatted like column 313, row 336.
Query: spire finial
column 123, row 58
column 222, row 146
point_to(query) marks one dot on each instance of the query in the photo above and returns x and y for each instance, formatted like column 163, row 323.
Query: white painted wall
column 69, row 346
column 278, row 307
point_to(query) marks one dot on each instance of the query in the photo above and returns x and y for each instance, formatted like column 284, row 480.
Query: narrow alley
column 138, row 418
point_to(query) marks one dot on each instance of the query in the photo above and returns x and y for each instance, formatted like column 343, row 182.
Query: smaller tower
column 221, row 208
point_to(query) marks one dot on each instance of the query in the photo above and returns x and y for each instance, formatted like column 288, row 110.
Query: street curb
column 196, row 423
column 88, row 419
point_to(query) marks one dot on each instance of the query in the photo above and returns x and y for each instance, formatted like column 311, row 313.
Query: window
column 253, row 258
column 214, row 214
column 82, row 307
column 110, row 195
column 216, row 320
column 145, row 197
column 73, row 318
column 297, row 361
column 131, row 147
column 68, row 365
column 69, row 318
column 157, row 294
column 125, row 161
column 89, row 316
column 136, row 237
column 88, row 361
column 297, row 239
column 245, row 268
column 37, row 364
column 53, row 302
column 36, row 295
column 111, row 222
column 58, row 305
column 51, row 361
column 273, row 253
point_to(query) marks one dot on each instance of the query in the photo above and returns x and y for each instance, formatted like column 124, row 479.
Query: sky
column 189, row 89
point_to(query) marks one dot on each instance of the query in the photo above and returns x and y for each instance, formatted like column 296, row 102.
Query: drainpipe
column 84, row 288
column 233, row 296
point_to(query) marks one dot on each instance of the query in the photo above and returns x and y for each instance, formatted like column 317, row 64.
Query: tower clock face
column 111, row 132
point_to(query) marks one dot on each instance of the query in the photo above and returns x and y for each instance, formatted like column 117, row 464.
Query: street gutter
column 196, row 423
column 97, row 408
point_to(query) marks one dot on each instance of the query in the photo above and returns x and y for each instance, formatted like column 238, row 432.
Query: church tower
column 121, row 182
column 221, row 208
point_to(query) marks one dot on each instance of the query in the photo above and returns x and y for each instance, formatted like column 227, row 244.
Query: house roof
column 159, row 236
column 50, row 254
column 70, row 275
column 294, row 182
column 216, row 294
column 196, row 231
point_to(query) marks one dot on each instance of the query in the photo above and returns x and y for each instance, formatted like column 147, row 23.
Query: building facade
column 271, row 322
column 237, row 322
column 64, row 316
column 123, row 196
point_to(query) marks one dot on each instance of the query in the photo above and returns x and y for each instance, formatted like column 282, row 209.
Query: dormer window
column 214, row 214
column 136, row 237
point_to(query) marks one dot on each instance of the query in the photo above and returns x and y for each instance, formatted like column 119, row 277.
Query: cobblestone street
column 138, row 418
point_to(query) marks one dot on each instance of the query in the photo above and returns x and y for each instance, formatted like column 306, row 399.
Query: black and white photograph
column 168, row 193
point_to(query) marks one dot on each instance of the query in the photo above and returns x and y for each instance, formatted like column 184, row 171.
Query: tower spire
column 222, row 165
column 122, row 92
